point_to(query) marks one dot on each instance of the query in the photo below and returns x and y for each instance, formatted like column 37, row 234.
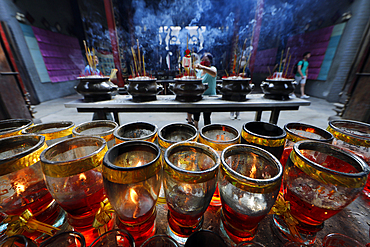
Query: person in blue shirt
column 208, row 73
column 91, row 71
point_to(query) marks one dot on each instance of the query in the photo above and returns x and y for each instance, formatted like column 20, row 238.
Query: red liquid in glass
column 285, row 156
column 190, row 222
column 216, row 201
column 85, row 206
column 307, row 212
column 239, row 221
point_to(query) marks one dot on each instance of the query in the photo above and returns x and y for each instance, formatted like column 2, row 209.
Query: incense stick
column 138, row 54
column 134, row 56
column 288, row 65
column 132, row 71
column 282, row 72
column 226, row 73
column 281, row 59
column 112, row 74
column 144, row 64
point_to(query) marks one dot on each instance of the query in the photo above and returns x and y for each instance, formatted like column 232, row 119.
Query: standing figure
column 208, row 73
column 302, row 73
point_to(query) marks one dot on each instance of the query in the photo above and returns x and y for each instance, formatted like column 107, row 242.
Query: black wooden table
column 167, row 103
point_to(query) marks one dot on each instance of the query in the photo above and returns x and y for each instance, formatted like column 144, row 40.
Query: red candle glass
column 319, row 181
column 218, row 137
column 132, row 180
column 22, row 184
column 72, row 171
column 114, row 238
column 354, row 137
column 299, row 132
column 339, row 240
column 12, row 127
column 65, row 239
column 249, row 183
column 190, row 178
column 17, row 241
column 160, row 241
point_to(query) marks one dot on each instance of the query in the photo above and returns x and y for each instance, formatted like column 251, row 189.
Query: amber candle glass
column 136, row 131
column 160, row 241
column 319, row 181
column 354, row 137
column 176, row 132
column 12, row 127
column 114, row 238
column 99, row 128
column 72, row 171
column 22, row 183
column 132, row 180
column 249, row 182
column 17, row 241
column 340, row 240
column 190, row 178
column 53, row 132
column 264, row 135
column 299, row 132
column 65, row 239
column 218, row 137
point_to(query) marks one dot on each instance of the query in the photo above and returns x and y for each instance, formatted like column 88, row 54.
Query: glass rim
column 93, row 124
column 116, row 135
column 281, row 136
column 332, row 124
column 44, row 126
column 108, row 232
column 22, row 139
column 219, row 125
column 65, row 142
column 256, row 150
column 210, row 151
column 28, row 123
column 108, row 163
column 322, row 132
column 329, row 236
column 82, row 238
column 189, row 126
column 322, row 147
column 161, row 236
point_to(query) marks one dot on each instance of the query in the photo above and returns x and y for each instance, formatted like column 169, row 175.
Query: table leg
column 116, row 117
column 102, row 115
column 274, row 116
column 258, row 116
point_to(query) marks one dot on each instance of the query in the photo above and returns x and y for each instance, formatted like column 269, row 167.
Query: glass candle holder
column 205, row 238
column 354, row 137
column 319, row 181
column 176, row 132
column 299, row 132
column 99, row 128
column 114, row 238
column 249, row 183
column 65, row 239
column 136, row 131
column 53, row 132
column 160, row 241
column 23, row 190
column 132, row 180
column 17, row 241
column 264, row 135
column 72, row 171
column 218, row 137
column 190, row 178
column 250, row 244
column 12, row 127
column 339, row 240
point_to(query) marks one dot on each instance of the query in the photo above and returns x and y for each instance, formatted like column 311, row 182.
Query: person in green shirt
column 302, row 73
column 208, row 73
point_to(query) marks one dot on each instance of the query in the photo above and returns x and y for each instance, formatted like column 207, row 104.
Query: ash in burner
column 138, row 133
column 95, row 131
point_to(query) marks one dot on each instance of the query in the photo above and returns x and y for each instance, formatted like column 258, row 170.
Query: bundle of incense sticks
column 139, row 66
column 89, row 57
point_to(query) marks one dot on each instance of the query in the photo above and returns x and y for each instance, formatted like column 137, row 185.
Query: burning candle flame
column 254, row 168
column 82, row 176
column 138, row 164
column 187, row 188
column 19, row 188
column 135, row 199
